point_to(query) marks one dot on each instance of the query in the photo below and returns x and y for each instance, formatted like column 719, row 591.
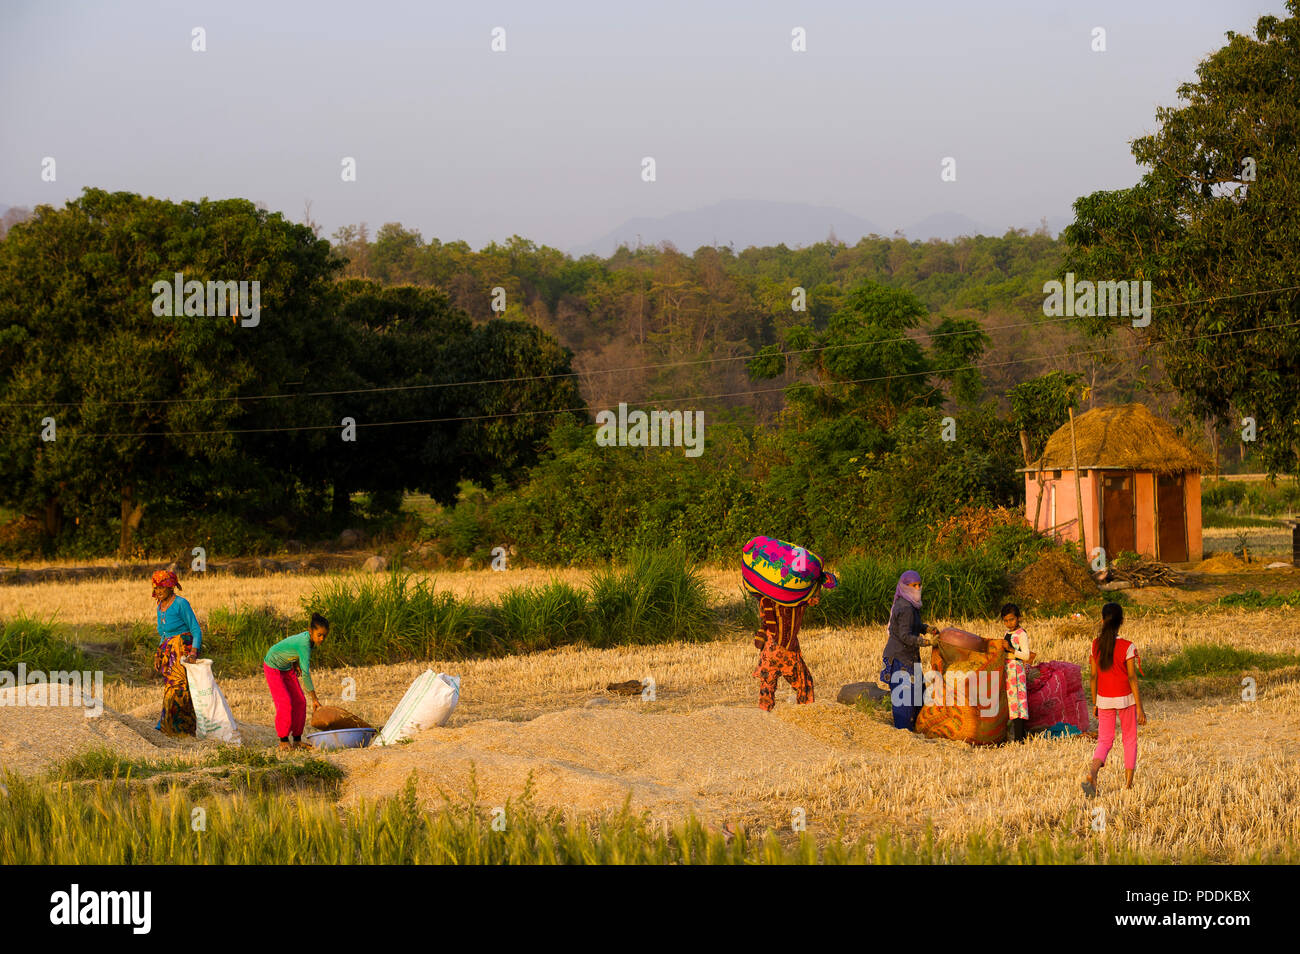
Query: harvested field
column 1271, row 543
column 703, row 747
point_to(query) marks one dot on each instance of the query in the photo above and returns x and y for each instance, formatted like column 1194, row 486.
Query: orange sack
column 966, row 694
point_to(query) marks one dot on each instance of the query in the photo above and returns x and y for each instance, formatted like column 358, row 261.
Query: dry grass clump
column 1053, row 579
column 974, row 525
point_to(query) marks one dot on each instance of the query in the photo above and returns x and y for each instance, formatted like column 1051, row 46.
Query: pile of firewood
column 1143, row 572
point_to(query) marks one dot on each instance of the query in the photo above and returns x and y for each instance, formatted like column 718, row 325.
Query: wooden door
column 1118, row 514
column 1171, row 516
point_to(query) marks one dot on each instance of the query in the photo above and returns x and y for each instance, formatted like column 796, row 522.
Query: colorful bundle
column 781, row 571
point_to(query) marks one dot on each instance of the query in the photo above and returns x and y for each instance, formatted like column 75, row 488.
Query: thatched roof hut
column 1139, row 484
column 1128, row 437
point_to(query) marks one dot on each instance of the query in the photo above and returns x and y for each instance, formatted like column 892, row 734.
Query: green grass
column 1212, row 659
column 538, row 617
column 1251, row 498
column 655, row 597
column 104, row 824
column 104, row 763
column 1216, row 517
column 969, row 584
column 248, row 770
column 37, row 645
column 1254, row 599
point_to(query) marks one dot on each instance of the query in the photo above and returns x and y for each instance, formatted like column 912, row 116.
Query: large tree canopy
column 1215, row 224
column 174, row 411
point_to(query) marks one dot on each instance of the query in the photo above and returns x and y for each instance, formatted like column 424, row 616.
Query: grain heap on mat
column 592, row 759
column 34, row 738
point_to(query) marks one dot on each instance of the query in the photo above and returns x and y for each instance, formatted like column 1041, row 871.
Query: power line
column 698, row 397
column 629, row 370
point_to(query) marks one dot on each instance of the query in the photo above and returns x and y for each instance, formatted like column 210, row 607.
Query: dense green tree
column 1214, row 225
column 133, row 395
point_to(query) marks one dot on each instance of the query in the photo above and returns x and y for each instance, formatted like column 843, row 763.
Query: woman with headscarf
column 902, row 656
column 179, row 638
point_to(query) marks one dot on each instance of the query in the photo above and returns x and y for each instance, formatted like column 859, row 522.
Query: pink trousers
column 290, row 703
column 1106, row 735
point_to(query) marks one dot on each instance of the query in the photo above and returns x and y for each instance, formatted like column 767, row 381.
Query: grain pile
column 1223, row 563
column 37, row 737
column 593, row 760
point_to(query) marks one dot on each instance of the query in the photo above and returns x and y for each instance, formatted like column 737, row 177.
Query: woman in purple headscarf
column 902, row 657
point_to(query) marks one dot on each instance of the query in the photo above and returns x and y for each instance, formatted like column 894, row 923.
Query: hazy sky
column 546, row 139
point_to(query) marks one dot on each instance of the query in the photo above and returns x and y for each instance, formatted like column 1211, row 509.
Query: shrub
column 37, row 645
column 656, row 597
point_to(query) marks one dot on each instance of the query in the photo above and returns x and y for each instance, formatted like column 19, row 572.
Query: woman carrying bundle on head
column 179, row 638
column 787, row 580
column 901, row 670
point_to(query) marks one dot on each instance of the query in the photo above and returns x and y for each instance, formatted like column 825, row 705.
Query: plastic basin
column 342, row 738
column 963, row 640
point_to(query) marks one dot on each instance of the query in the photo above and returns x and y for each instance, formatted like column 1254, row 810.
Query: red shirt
column 1113, row 682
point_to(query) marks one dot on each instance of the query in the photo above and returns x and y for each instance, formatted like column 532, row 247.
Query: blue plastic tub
column 342, row 738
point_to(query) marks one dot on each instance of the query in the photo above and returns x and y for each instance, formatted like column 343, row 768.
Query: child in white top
column 1017, row 643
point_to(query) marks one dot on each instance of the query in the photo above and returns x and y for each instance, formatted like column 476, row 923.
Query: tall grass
column 969, row 584
column 539, row 617
column 655, row 597
column 240, row 636
column 37, row 645
column 105, row 824
column 390, row 618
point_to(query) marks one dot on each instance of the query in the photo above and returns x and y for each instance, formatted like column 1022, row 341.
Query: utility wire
column 629, row 370
column 697, row 397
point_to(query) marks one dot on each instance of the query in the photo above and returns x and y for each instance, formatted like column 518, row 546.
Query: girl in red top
column 1115, row 669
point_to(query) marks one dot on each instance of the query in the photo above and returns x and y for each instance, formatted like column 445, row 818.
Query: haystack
column 1127, row 437
column 1137, row 487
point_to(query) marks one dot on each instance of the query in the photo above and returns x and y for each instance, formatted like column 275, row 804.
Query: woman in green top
column 282, row 665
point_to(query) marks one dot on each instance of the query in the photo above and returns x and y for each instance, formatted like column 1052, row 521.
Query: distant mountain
column 737, row 222
column 745, row 222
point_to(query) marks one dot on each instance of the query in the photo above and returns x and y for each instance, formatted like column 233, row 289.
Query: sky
column 546, row 139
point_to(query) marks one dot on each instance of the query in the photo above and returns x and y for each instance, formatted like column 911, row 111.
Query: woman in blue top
column 179, row 638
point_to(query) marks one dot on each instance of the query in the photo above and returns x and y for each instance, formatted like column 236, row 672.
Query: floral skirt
column 177, row 708
column 1017, row 690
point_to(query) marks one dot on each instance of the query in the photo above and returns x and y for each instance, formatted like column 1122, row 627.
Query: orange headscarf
column 167, row 579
